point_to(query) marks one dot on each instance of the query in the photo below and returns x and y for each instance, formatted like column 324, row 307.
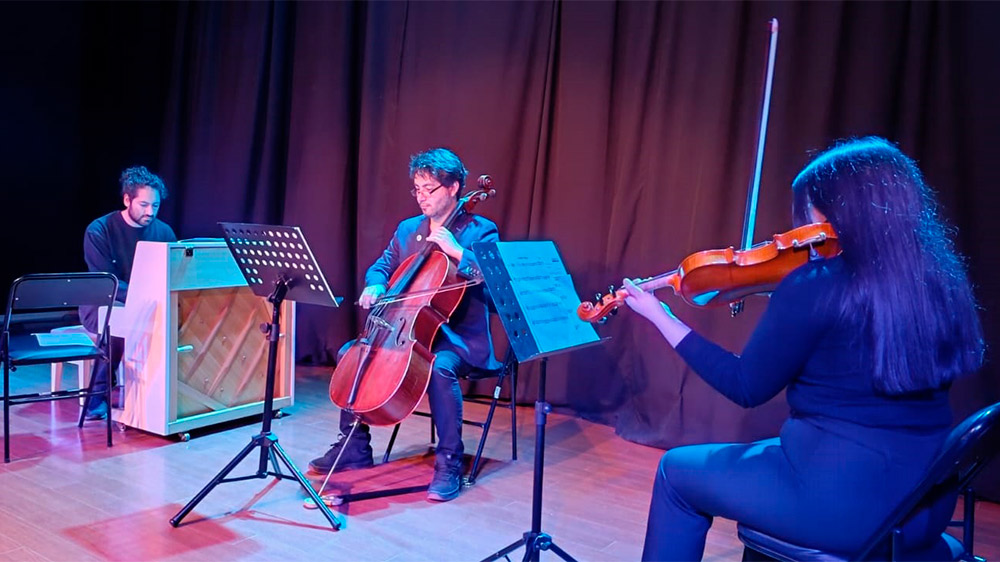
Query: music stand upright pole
column 535, row 541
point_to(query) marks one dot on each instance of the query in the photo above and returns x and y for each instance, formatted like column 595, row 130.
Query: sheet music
column 52, row 340
column 546, row 294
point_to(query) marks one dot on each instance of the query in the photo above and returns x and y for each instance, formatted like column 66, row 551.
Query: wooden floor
column 66, row 496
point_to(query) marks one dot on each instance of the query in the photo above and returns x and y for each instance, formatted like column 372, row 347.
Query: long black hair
column 908, row 281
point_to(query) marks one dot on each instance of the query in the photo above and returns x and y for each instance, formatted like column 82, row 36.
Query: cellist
column 463, row 343
column 866, row 345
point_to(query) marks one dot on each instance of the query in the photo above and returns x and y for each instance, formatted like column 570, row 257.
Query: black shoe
column 357, row 454
column 97, row 412
column 447, row 482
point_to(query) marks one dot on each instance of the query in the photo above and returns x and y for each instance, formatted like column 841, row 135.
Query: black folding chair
column 508, row 371
column 969, row 448
column 30, row 306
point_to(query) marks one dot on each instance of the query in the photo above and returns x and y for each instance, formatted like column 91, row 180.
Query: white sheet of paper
column 546, row 295
column 528, row 261
column 51, row 340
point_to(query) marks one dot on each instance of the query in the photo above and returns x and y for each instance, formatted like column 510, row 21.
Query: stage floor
column 66, row 496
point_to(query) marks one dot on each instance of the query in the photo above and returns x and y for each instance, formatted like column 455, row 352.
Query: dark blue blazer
column 468, row 331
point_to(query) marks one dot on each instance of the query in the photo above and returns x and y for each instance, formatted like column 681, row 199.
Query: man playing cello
column 462, row 344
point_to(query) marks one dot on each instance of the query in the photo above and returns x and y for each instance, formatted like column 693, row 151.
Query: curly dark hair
column 139, row 176
column 441, row 164
column 908, row 280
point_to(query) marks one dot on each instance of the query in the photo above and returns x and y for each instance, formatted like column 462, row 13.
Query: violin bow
column 750, row 216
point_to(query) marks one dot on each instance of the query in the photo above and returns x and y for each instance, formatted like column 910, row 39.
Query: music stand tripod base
column 296, row 276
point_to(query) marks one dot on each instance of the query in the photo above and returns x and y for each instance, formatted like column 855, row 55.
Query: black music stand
column 537, row 305
column 277, row 264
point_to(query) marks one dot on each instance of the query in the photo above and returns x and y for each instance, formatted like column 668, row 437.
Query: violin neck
column 668, row 279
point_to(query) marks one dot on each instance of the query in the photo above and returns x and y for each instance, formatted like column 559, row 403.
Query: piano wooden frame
column 194, row 354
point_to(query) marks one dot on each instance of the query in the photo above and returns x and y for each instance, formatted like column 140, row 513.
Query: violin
column 718, row 277
column 384, row 374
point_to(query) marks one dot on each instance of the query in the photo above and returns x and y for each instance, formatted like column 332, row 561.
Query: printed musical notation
column 546, row 294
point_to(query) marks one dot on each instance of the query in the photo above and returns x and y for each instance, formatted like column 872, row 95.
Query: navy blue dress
column 845, row 456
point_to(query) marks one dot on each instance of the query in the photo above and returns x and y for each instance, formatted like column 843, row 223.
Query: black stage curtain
column 623, row 131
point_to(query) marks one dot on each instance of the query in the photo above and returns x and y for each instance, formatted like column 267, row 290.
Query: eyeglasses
column 425, row 192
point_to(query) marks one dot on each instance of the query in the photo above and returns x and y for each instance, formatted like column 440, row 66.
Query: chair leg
column 968, row 521
column 56, row 373
column 6, row 412
column 84, row 370
column 90, row 391
column 107, row 396
column 474, row 472
column 392, row 440
column 895, row 544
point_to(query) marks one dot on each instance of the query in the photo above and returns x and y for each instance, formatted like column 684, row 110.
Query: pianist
column 109, row 245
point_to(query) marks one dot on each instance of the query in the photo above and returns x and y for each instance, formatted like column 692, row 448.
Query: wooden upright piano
column 194, row 352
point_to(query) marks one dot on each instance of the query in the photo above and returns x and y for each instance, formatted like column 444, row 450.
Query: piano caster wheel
column 278, row 414
column 119, row 426
column 185, row 437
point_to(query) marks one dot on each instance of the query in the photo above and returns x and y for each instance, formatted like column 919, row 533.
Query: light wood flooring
column 65, row 496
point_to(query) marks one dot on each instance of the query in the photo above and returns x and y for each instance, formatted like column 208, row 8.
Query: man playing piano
column 109, row 245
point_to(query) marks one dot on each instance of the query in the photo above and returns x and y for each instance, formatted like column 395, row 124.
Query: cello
column 384, row 374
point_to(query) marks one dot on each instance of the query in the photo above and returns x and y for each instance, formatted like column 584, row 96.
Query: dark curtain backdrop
column 623, row 131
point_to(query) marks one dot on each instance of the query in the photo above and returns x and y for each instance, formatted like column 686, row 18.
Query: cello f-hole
column 400, row 332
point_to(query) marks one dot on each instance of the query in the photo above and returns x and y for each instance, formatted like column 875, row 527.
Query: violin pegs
column 614, row 311
column 597, row 298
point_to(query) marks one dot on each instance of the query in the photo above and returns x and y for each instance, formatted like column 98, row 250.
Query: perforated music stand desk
column 536, row 301
column 278, row 264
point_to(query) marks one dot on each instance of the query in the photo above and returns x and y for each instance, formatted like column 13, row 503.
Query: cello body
column 393, row 357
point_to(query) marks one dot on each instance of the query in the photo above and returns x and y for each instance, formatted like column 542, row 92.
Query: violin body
column 720, row 277
column 400, row 352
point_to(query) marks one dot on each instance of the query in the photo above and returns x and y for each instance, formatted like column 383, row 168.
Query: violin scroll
column 603, row 306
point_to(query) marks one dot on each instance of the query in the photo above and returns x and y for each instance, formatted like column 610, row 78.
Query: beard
column 139, row 217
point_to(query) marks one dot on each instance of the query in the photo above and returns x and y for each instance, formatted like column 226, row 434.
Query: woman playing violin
column 462, row 344
column 866, row 345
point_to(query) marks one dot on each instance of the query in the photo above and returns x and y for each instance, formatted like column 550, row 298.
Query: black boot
column 447, row 482
column 357, row 454
column 97, row 409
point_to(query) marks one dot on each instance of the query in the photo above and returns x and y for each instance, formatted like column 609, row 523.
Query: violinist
column 866, row 345
column 462, row 344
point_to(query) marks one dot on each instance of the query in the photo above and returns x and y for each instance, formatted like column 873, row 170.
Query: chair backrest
column 48, row 291
column 968, row 448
